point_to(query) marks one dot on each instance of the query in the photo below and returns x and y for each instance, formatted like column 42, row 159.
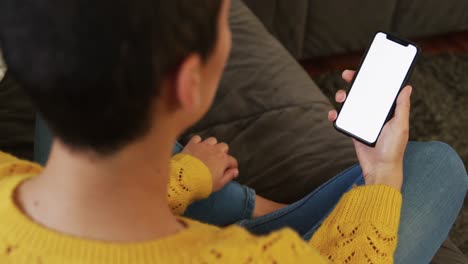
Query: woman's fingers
column 228, row 176
column 340, row 96
column 211, row 141
column 348, row 75
column 195, row 140
column 223, row 147
column 332, row 115
column 232, row 162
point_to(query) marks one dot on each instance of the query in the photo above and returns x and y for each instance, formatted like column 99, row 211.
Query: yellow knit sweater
column 361, row 229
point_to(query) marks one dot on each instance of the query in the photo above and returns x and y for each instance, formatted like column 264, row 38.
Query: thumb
column 227, row 177
column 402, row 111
column 231, row 174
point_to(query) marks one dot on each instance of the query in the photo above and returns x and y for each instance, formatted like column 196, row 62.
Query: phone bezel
column 400, row 41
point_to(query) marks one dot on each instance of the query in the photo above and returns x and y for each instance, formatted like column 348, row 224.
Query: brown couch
column 311, row 28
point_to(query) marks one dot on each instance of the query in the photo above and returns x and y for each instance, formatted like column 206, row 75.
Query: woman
column 117, row 86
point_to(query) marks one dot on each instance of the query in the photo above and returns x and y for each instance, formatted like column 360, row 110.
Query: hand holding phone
column 383, row 164
column 383, row 72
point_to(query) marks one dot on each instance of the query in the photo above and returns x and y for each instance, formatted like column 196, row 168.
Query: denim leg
column 434, row 188
column 306, row 215
column 231, row 204
column 177, row 148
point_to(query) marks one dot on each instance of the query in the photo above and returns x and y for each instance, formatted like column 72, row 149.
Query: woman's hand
column 384, row 163
column 214, row 155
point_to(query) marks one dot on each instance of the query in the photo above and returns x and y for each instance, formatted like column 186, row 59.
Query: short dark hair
column 92, row 67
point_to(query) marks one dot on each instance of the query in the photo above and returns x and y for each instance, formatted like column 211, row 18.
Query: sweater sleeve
column 10, row 165
column 362, row 228
column 190, row 180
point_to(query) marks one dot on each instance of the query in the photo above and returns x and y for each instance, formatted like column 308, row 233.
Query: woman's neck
column 121, row 198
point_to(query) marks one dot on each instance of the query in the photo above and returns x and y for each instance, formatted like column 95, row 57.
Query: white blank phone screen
column 375, row 88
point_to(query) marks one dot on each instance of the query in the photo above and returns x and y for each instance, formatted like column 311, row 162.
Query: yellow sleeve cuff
column 371, row 203
column 190, row 180
column 200, row 176
column 363, row 226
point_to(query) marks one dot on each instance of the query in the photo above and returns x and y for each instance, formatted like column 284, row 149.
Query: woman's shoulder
column 11, row 165
column 235, row 244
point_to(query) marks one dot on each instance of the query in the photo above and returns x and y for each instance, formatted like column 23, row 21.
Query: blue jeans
column 434, row 188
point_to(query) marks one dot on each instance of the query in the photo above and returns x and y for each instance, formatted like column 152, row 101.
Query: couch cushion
column 336, row 27
column 312, row 28
column 277, row 16
column 16, row 119
column 274, row 116
column 417, row 18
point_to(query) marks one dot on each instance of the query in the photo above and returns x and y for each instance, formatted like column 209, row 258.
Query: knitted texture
column 361, row 229
column 190, row 180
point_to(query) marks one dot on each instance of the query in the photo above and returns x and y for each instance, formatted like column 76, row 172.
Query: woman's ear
column 188, row 84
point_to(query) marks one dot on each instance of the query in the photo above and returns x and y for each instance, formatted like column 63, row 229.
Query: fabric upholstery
column 274, row 116
column 311, row 28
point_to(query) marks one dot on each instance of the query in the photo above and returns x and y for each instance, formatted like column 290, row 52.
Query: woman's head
column 96, row 68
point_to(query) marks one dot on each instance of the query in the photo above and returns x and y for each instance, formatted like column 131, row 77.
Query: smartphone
column 383, row 72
